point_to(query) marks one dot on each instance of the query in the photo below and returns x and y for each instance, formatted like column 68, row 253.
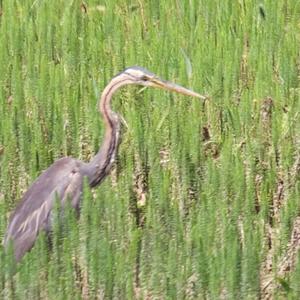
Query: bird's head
column 141, row 76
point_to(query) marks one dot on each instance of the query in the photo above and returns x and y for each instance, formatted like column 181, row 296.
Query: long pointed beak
column 170, row 86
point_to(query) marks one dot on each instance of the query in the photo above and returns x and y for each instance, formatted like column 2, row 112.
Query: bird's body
column 64, row 179
column 34, row 211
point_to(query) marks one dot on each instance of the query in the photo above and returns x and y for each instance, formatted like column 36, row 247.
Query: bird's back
column 61, row 180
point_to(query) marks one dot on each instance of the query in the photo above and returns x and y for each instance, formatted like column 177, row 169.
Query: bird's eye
column 144, row 78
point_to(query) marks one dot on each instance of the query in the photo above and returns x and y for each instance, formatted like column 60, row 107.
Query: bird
column 64, row 179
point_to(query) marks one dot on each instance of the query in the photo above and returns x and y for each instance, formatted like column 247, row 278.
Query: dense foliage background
column 204, row 200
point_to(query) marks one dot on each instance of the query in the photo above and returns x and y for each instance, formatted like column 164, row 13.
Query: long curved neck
column 99, row 167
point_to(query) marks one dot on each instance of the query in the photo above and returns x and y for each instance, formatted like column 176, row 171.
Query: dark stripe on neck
column 102, row 169
column 107, row 98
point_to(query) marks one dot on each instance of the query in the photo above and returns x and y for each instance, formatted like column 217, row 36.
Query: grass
column 204, row 200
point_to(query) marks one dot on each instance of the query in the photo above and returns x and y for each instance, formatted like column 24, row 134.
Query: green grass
column 217, row 177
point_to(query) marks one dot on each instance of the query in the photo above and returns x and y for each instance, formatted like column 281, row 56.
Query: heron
column 64, row 179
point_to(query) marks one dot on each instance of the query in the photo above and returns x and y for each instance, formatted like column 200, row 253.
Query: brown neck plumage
column 99, row 167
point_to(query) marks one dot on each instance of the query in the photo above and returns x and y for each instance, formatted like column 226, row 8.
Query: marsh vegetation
column 204, row 200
